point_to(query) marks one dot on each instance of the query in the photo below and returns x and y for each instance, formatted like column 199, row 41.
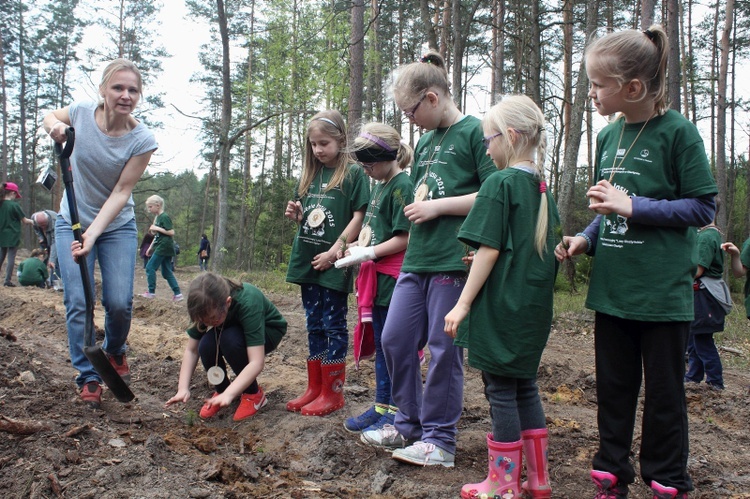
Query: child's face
column 324, row 147
column 379, row 170
column 152, row 208
column 218, row 315
column 605, row 92
column 496, row 148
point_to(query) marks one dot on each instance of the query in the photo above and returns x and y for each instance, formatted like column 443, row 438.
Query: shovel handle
column 65, row 152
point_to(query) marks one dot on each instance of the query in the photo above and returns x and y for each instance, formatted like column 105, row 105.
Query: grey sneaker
column 424, row 454
column 386, row 437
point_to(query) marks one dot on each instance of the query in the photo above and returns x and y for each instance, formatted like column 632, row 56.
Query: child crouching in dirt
column 235, row 324
column 33, row 270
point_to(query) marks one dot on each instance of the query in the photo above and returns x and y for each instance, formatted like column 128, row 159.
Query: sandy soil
column 142, row 450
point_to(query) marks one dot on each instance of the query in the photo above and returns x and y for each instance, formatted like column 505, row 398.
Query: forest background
column 269, row 65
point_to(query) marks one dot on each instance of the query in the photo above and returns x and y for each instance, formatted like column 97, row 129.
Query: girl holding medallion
column 450, row 164
column 235, row 324
column 380, row 249
column 329, row 206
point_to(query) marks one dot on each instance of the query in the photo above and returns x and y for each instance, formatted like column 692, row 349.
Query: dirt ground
column 143, row 450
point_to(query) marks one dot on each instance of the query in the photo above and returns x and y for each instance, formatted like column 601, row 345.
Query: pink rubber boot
column 535, row 449
column 504, row 477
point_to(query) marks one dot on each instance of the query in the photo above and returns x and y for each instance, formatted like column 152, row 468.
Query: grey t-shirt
column 97, row 162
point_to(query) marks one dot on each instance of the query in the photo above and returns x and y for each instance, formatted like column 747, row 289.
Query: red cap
column 10, row 186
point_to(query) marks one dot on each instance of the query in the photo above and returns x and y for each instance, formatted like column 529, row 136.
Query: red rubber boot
column 535, row 448
column 313, row 387
column 331, row 396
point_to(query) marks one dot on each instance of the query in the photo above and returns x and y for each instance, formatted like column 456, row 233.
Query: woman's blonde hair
column 412, row 81
column 634, row 55
column 370, row 133
column 207, row 293
column 520, row 116
column 120, row 65
column 331, row 123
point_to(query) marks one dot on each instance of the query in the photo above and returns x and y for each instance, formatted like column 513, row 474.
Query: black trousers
column 628, row 351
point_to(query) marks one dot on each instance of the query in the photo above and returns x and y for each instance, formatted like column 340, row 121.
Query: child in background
column 739, row 265
column 33, row 271
column 204, row 252
column 380, row 249
column 654, row 187
column 712, row 303
column 329, row 207
column 508, row 296
column 235, row 324
column 162, row 249
column 450, row 165
column 11, row 217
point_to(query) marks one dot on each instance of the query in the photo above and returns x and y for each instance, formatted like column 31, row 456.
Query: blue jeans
column 326, row 324
column 11, row 253
column 165, row 262
column 515, row 406
column 703, row 359
column 116, row 253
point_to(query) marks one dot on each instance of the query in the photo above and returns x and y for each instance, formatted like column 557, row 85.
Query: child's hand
column 421, row 211
column 570, row 247
column 154, row 229
column 293, row 211
column 454, row 318
column 182, row 396
column 324, row 261
column 730, row 248
column 604, row 198
column 468, row 258
column 357, row 254
column 222, row 400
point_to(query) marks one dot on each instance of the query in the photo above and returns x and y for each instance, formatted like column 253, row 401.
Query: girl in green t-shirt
column 329, row 207
column 161, row 251
column 505, row 309
column 380, row 249
column 234, row 325
column 653, row 187
column 11, row 217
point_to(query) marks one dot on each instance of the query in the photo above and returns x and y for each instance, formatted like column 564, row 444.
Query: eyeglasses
column 487, row 140
column 410, row 114
column 367, row 166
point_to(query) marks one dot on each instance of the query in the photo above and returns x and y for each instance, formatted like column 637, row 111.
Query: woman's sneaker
column 425, row 454
column 91, row 394
column 386, row 437
column 363, row 421
column 120, row 363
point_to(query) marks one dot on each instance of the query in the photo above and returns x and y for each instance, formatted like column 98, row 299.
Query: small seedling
column 191, row 417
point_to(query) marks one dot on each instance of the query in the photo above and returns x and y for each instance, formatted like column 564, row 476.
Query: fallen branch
column 55, row 484
column 17, row 427
column 732, row 350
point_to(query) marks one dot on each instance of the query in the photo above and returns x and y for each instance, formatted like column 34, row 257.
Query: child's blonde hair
column 383, row 138
column 634, row 55
column 412, row 81
column 157, row 200
column 208, row 292
column 520, row 116
column 331, row 123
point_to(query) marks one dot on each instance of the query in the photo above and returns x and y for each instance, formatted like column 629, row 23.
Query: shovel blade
column 114, row 382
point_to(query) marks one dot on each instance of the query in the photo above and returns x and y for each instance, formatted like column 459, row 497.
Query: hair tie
column 542, row 187
column 376, row 140
column 331, row 122
column 425, row 59
column 650, row 34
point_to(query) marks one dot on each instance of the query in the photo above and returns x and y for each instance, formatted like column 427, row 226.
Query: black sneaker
column 9, row 285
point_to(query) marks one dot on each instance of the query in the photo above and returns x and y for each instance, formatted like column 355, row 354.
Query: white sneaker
column 424, row 454
column 386, row 437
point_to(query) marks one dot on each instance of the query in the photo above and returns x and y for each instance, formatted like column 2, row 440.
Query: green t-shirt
column 510, row 320
column 385, row 215
column 164, row 245
column 745, row 259
column 33, row 272
column 645, row 272
column 458, row 164
column 339, row 205
column 11, row 215
column 254, row 312
column 710, row 256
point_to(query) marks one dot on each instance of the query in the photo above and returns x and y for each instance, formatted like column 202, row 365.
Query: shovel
column 93, row 352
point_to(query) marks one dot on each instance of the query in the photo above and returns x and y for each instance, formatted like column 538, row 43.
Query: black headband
column 374, row 155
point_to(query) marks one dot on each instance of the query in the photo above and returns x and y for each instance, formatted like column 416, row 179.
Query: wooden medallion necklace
column 365, row 235
column 423, row 190
column 317, row 215
column 615, row 166
column 215, row 373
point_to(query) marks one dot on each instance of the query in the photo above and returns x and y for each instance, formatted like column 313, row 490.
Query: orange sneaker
column 209, row 411
column 91, row 394
column 250, row 403
column 120, row 363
